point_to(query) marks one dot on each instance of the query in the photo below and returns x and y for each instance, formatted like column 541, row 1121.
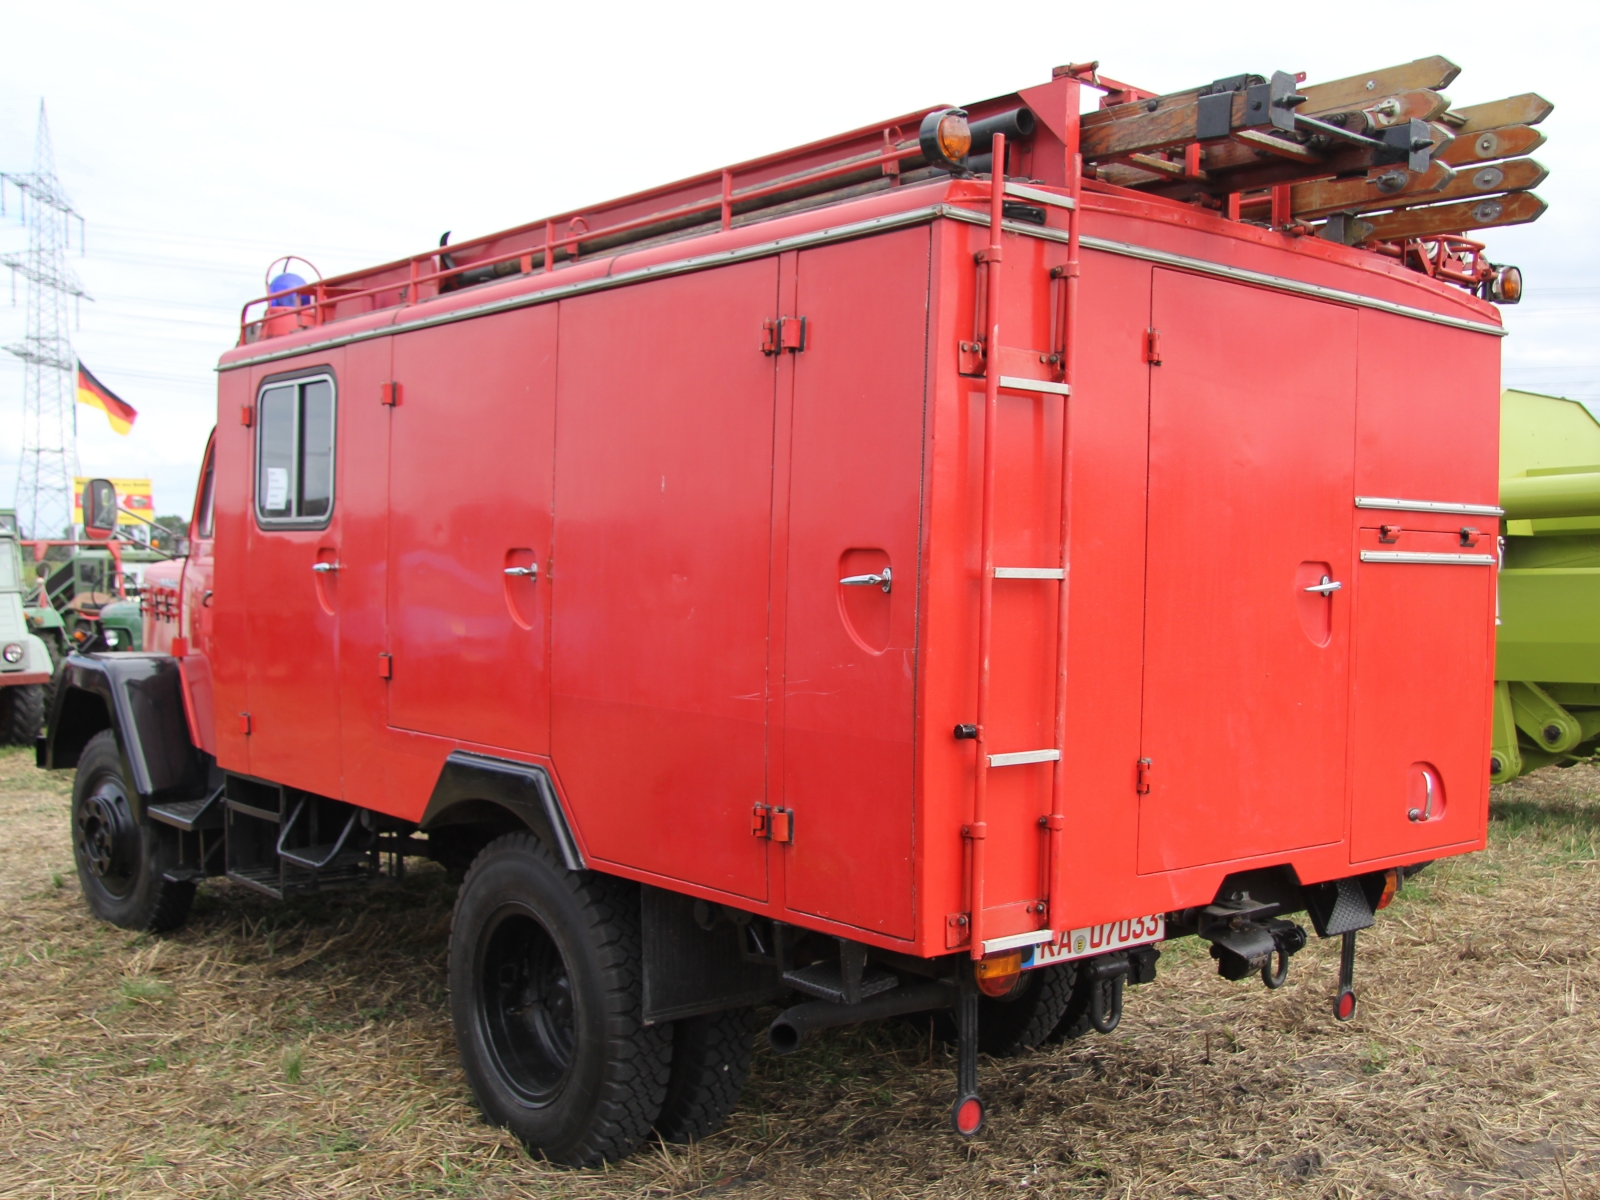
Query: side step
column 278, row 839
column 189, row 815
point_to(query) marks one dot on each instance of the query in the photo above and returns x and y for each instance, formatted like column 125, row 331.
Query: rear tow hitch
column 1244, row 941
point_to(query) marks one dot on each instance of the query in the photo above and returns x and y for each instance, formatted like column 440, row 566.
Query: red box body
column 690, row 490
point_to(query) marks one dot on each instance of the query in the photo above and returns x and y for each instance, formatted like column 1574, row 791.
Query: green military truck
column 1547, row 665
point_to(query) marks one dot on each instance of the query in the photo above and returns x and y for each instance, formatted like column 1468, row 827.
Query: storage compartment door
column 1424, row 677
column 662, row 570
column 855, row 501
column 470, row 487
column 1246, row 686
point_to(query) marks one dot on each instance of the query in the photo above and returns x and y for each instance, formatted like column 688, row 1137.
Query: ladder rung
column 1029, row 573
column 1016, row 383
column 1023, row 756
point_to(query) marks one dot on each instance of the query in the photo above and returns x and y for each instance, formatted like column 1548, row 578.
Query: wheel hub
column 105, row 832
column 525, row 1007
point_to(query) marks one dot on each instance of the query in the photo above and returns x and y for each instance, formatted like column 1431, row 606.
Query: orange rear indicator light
column 1391, row 885
column 997, row 973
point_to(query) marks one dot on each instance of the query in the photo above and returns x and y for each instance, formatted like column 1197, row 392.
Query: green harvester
column 1547, row 664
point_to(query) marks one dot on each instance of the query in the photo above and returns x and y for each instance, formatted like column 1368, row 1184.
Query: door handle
column 1326, row 588
column 322, row 568
column 530, row 572
column 1425, row 813
column 884, row 580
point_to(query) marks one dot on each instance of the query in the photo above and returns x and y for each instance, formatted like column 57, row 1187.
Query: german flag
column 95, row 394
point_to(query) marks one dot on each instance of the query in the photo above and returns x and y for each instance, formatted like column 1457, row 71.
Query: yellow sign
column 133, row 496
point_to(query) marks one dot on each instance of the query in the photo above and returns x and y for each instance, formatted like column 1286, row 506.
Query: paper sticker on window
column 277, row 488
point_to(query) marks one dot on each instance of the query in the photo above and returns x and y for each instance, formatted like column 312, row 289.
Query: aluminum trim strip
column 1420, row 556
column 1020, row 757
column 1028, row 193
column 682, row 266
column 1017, row 384
column 1430, row 506
column 1239, row 274
column 1016, row 940
column 1029, row 573
column 839, row 233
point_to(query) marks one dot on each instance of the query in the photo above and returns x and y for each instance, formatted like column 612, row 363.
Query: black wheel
column 121, row 859
column 710, row 1063
column 22, row 713
column 545, row 994
column 1076, row 1019
column 1009, row 1025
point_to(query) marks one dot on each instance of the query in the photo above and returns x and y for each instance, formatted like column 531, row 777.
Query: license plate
column 1101, row 939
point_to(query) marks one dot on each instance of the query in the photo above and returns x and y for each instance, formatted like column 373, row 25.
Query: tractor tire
column 546, row 998
column 710, row 1063
column 22, row 713
column 121, row 859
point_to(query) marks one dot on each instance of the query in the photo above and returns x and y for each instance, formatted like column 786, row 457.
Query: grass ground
column 304, row 1050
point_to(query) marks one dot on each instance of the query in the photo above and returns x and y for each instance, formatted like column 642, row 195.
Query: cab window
column 294, row 452
column 203, row 523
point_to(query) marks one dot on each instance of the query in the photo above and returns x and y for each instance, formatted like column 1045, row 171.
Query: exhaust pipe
column 795, row 1024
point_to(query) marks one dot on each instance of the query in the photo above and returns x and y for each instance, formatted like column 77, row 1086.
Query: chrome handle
column 1425, row 813
column 1326, row 587
column 882, row 581
column 531, row 572
column 322, row 568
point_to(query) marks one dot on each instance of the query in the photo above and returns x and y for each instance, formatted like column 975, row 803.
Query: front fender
column 141, row 697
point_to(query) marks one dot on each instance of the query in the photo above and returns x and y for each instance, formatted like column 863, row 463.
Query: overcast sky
column 199, row 141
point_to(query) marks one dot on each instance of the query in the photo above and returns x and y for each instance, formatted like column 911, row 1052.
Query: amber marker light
column 998, row 973
column 1506, row 285
column 945, row 137
column 1391, row 885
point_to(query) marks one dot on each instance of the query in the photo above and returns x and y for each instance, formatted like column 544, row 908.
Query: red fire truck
column 924, row 570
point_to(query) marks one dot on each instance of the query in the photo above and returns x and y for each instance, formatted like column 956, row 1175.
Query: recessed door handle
column 1425, row 813
column 530, row 572
column 1326, row 587
column 322, row 568
column 884, row 580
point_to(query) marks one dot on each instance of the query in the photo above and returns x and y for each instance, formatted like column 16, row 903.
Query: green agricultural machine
column 1547, row 665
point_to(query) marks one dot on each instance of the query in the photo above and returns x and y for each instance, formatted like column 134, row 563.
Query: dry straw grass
column 304, row 1050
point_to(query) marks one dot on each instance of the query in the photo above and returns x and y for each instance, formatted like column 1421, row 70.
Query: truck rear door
column 1246, row 673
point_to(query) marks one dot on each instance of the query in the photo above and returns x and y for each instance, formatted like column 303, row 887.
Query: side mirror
column 99, row 510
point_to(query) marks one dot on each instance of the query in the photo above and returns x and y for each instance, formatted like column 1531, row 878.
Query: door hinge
column 385, row 666
column 772, row 822
column 389, row 393
column 1152, row 347
column 244, row 723
column 247, row 415
column 785, row 334
column 1143, row 786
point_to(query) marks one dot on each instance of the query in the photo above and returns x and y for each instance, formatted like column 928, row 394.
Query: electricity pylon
column 49, row 416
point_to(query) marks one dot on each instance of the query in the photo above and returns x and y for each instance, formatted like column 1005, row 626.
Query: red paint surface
column 687, row 651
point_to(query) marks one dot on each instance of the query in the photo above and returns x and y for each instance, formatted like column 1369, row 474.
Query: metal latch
column 1327, row 587
column 783, row 334
column 1143, row 784
column 772, row 822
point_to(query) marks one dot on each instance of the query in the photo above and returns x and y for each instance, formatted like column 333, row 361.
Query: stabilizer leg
column 967, row 1114
column 1344, row 1004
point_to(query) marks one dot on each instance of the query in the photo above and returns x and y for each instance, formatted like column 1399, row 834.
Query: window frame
column 297, row 380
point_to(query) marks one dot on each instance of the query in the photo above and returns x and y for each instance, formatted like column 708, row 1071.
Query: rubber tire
column 613, row 1089
column 22, row 713
column 710, row 1063
column 145, row 901
column 1022, row 1021
column 1075, row 1020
